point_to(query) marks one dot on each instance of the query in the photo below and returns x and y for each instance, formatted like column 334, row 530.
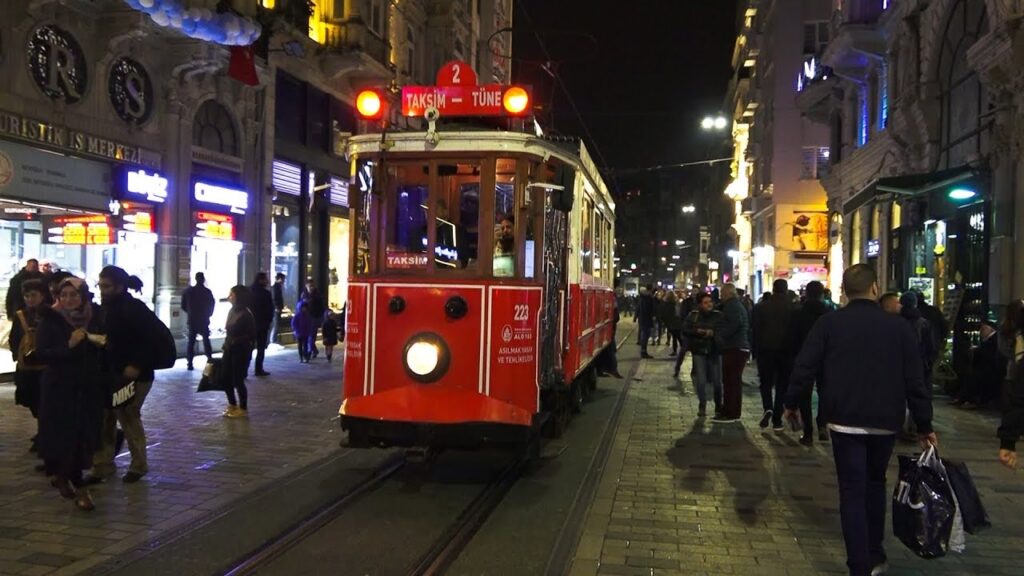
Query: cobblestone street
column 199, row 461
column 681, row 495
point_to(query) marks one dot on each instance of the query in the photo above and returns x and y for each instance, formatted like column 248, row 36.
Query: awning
column 909, row 185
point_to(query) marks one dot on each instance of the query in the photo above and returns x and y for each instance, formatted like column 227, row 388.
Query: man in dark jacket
column 197, row 302
column 872, row 372
column 317, row 307
column 773, row 348
column 14, row 300
column 814, row 307
column 262, row 308
column 278, row 289
column 731, row 338
column 937, row 324
column 131, row 352
column 699, row 328
column 645, row 318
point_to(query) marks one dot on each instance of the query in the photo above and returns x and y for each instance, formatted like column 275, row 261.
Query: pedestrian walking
column 804, row 319
column 608, row 360
column 14, row 299
column 72, row 388
column 645, row 318
column 872, row 371
column 330, row 331
column 1012, row 425
column 302, row 328
column 241, row 336
column 672, row 321
column 731, row 338
column 773, row 346
column 685, row 307
column 27, row 374
column 197, row 303
column 315, row 301
column 262, row 308
column 278, row 304
column 131, row 352
column 699, row 328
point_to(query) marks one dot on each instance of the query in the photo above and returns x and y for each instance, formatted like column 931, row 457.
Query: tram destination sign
column 454, row 100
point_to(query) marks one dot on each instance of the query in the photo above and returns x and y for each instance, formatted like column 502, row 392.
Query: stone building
column 923, row 106
column 145, row 141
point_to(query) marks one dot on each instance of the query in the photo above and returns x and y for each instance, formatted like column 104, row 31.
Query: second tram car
column 480, row 291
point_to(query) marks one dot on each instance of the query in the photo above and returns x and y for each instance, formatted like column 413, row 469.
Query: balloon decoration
column 200, row 23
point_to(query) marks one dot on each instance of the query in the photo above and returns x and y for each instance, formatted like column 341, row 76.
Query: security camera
column 432, row 114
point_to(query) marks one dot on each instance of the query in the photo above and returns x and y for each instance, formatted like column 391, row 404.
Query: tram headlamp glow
column 422, row 358
column 426, row 357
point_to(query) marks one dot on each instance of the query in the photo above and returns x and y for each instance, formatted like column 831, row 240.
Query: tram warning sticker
column 512, row 358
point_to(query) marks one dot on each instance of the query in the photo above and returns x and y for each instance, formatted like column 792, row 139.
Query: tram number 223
column 521, row 313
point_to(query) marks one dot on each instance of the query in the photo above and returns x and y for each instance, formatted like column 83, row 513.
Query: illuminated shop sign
column 137, row 218
column 214, row 226
column 151, row 186
column 78, row 230
column 874, row 248
column 234, row 199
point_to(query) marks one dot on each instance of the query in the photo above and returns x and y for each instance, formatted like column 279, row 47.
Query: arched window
column 963, row 99
column 214, row 130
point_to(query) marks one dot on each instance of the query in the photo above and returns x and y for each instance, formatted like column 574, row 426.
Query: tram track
column 367, row 529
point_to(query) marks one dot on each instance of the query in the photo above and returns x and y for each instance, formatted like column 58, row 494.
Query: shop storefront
column 217, row 213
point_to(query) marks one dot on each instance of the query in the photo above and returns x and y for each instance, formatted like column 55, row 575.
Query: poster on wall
column 925, row 286
column 805, row 231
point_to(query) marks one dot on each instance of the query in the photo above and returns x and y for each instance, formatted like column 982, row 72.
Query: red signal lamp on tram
column 370, row 105
column 515, row 100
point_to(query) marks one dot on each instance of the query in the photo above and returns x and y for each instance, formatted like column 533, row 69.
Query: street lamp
column 690, row 209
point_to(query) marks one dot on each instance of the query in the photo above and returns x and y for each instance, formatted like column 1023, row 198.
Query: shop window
column 895, row 216
column 285, row 231
column 457, row 216
column 406, row 226
column 290, row 109
column 317, row 109
column 857, row 235
column 214, row 129
column 816, row 37
column 504, row 218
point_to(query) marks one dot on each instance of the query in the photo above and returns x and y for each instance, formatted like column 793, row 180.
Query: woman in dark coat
column 330, row 330
column 73, row 392
column 238, row 345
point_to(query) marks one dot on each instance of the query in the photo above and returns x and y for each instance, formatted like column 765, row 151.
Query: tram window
column 406, row 229
column 363, row 181
column 504, row 220
column 586, row 241
column 457, row 216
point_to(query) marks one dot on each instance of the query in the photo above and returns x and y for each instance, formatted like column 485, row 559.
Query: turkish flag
column 243, row 65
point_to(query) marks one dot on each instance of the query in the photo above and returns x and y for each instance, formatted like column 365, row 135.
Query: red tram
column 480, row 289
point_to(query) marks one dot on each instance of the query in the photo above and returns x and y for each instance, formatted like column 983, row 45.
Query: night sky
column 642, row 74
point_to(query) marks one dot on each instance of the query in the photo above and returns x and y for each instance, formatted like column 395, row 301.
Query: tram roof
column 571, row 151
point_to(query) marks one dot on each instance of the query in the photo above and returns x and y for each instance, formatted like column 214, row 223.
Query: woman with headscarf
column 68, row 344
column 238, row 345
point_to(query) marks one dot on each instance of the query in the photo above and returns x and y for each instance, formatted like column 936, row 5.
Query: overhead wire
column 553, row 72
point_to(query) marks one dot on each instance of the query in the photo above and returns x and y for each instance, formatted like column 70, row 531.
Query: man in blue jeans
column 872, row 369
column 699, row 329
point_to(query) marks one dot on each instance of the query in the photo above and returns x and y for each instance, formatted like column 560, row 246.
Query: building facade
column 924, row 110
column 134, row 138
column 780, row 158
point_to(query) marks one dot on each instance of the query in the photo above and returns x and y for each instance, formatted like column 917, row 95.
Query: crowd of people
column 84, row 369
column 71, row 354
column 871, row 361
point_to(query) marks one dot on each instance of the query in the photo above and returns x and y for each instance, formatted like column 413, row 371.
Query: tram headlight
column 426, row 357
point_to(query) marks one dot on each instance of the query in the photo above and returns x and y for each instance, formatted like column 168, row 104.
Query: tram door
column 553, row 320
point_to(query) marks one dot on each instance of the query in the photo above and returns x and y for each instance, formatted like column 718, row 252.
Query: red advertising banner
column 513, row 355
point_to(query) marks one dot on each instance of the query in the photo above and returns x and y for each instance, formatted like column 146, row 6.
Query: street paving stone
column 681, row 495
column 199, row 463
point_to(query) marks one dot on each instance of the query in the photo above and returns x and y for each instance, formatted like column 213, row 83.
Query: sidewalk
column 683, row 496
column 199, row 463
